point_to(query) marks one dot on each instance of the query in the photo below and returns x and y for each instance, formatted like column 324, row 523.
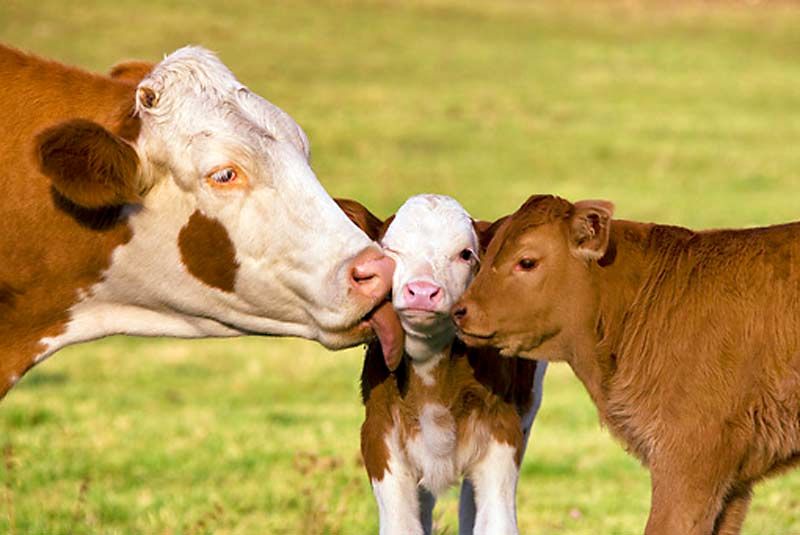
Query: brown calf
column 688, row 343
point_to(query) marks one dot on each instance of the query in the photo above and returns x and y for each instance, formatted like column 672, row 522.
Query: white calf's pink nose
column 422, row 295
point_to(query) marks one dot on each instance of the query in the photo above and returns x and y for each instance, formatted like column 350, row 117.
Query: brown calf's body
column 688, row 343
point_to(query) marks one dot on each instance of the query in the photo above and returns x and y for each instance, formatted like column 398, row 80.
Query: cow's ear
column 590, row 226
column 89, row 165
column 486, row 231
column 132, row 71
column 363, row 218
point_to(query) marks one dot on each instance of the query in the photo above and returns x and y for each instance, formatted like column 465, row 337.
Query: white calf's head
column 435, row 248
column 232, row 232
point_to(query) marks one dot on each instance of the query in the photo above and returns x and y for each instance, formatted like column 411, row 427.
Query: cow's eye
column 466, row 255
column 526, row 264
column 224, row 175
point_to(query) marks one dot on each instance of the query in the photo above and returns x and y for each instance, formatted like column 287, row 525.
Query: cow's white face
column 433, row 242
column 233, row 234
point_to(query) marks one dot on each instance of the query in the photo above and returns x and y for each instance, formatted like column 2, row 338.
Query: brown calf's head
column 534, row 286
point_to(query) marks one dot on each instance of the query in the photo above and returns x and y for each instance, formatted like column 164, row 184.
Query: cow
column 688, row 343
column 445, row 411
column 168, row 200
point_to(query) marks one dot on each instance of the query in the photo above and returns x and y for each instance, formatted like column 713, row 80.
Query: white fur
column 292, row 242
column 396, row 494
column 495, row 478
column 425, row 239
column 432, row 452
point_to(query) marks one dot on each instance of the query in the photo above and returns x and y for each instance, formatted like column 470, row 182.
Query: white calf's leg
column 495, row 479
column 398, row 502
column 427, row 502
column 466, row 508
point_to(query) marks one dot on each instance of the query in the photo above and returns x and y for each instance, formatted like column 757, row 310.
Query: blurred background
column 678, row 111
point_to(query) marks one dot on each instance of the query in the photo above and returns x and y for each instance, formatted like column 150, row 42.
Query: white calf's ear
column 132, row 71
column 590, row 227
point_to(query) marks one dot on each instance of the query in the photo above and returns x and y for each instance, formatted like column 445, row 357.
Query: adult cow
column 688, row 343
column 183, row 205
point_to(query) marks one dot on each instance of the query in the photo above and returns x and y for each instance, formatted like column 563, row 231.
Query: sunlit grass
column 683, row 113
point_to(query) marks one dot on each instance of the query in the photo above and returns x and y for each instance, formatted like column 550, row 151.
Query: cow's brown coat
column 688, row 343
column 50, row 247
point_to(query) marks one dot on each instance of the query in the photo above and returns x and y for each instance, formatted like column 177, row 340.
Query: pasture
column 678, row 112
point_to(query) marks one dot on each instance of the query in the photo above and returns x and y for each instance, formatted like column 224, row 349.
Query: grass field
column 679, row 112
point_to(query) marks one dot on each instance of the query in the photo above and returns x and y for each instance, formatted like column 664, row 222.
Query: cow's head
column 534, row 287
column 435, row 248
column 232, row 232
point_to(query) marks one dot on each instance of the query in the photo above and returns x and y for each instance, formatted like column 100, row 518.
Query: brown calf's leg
column 686, row 500
column 734, row 510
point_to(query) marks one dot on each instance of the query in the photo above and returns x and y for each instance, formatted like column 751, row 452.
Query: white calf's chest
column 432, row 452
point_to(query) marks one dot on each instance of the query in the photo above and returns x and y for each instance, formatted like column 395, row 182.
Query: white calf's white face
column 235, row 234
column 433, row 242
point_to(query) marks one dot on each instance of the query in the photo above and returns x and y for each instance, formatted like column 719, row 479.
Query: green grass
column 684, row 114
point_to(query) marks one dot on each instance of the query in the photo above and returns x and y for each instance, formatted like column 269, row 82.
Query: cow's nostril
column 460, row 313
column 361, row 276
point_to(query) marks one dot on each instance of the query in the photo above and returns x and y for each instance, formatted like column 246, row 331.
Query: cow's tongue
column 386, row 324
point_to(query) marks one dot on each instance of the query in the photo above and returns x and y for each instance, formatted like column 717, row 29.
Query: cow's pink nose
column 422, row 295
column 371, row 274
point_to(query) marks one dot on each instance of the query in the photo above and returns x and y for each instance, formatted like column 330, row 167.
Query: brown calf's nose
column 371, row 273
column 459, row 313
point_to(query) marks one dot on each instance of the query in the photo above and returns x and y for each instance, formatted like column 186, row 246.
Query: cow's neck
column 56, row 250
column 621, row 282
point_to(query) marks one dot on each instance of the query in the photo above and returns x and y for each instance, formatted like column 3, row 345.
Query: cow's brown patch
column 208, row 252
column 50, row 249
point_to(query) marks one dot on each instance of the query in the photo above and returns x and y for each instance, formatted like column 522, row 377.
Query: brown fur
column 688, row 343
column 200, row 235
column 88, row 165
column 363, row 218
column 51, row 247
column 478, row 387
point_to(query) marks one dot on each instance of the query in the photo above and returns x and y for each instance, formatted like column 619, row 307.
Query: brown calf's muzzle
column 472, row 322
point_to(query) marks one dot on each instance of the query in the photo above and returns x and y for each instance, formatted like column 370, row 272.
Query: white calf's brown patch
column 208, row 252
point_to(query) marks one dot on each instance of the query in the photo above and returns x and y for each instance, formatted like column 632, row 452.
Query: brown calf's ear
column 89, row 165
column 486, row 231
column 590, row 228
column 363, row 218
column 132, row 71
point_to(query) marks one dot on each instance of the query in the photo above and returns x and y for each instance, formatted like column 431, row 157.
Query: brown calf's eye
column 526, row 264
column 466, row 255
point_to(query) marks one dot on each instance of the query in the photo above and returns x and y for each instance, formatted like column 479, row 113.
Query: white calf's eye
column 224, row 175
column 466, row 255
